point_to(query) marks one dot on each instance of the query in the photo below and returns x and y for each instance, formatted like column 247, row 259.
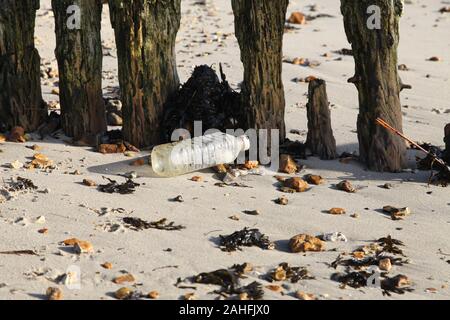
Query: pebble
column 123, row 293
column 124, row 278
column 305, row 242
column 53, row 293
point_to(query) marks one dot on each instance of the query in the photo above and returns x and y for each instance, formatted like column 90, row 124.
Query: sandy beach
column 157, row 258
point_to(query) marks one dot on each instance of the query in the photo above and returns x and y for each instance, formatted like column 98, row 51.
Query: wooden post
column 79, row 55
column 145, row 32
column 320, row 139
column 259, row 28
column 376, row 78
column 21, row 101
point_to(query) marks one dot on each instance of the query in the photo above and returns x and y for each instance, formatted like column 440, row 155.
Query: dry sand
column 69, row 207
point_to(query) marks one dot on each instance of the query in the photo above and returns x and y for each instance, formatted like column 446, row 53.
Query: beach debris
column 334, row 237
column 337, row 211
column 54, row 293
column 206, row 98
column 390, row 245
column 124, row 278
column 138, row 162
column 89, row 183
column 2, row 138
column 114, row 187
column 43, row 231
column 250, row 164
column 397, row 213
column 296, row 184
column 385, row 264
column 137, row 224
column 314, row 179
column 189, row 296
column 247, row 238
column 178, row 198
column 287, row 164
column 153, row 294
column 305, row 242
column 196, row 179
column 107, row 265
column 434, row 59
column 355, row 215
column 226, row 279
column 387, row 186
column 79, row 246
column 252, row 212
column 40, row 220
column 445, row 10
column 285, row 272
column 232, row 184
column 297, row 18
column 243, row 268
column 346, row 186
column 20, row 252
column 274, row 288
column 252, row 291
column 282, row 201
column 123, row 293
column 110, row 148
column 16, row 165
column 355, row 279
column 305, row 296
column 234, row 217
column 399, row 284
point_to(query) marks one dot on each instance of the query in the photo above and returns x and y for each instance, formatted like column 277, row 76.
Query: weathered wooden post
column 145, row 32
column 320, row 139
column 259, row 28
column 79, row 55
column 21, row 101
column 372, row 27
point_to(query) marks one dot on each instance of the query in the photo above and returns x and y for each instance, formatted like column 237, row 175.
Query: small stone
column 41, row 157
column 358, row 254
column 299, row 185
column 397, row 213
column 83, row 247
column 234, row 217
column 137, row 162
column 387, row 186
column 243, row 296
column 337, row 211
column 35, row 147
column 124, row 278
column 334, row 237
column 346, row 186
column 153, row 294
column 252, row 212
column 274, row 287
column 189, row 296
column 282, row 201
column 297, row 18
column 304, row 296
column 107, row 265
column 43, row 231
column 221, row 168
column 197, row 179
column 249, row 165
column 385, row 264
column 53, row 293
column 354, row 215
column 280, row 274
column 314, row 179
column 16, row 165
column 435, row 59
column 89, row 183
column 131, row 175
column 40, row 220
column 304, row 243
column 123, row 293
column 287, row 164
column 178, row 199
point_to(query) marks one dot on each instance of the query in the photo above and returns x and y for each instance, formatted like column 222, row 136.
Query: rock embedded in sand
column 53, row 293
column 124, row 278
column 346, row 186
column 123, row 293
column 107, row 265
column 305, row 296
column 385, row 264
column 297, row 18
column 315, row 179
column 89, row 183
column 305, row 242
column 297, row 184
column 287, row 164
column 337, row 211
column 153, row 295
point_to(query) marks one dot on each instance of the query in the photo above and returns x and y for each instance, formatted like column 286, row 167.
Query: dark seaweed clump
column 245, row 238
column 113, row 186
column 203, row 98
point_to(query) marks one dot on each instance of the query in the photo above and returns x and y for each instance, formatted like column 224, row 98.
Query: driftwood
column 79, row 55
column 376, row 78
column 320, row 139
column 21, row 101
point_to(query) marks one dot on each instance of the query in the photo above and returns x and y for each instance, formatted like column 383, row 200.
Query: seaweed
column 245, row 237
column 365, row 262
column 21, row 184
column 114, row 187
column 355, row 279
column 20, row 252
column 203, row 98
column 394, row 285
column 139, row 224
column 390, row 245
column 294, row 274
column 253, row 291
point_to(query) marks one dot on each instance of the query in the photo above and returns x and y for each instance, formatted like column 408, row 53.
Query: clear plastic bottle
column 174, row 159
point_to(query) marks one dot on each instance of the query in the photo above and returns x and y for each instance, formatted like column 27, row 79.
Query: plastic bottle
column 174, row 159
